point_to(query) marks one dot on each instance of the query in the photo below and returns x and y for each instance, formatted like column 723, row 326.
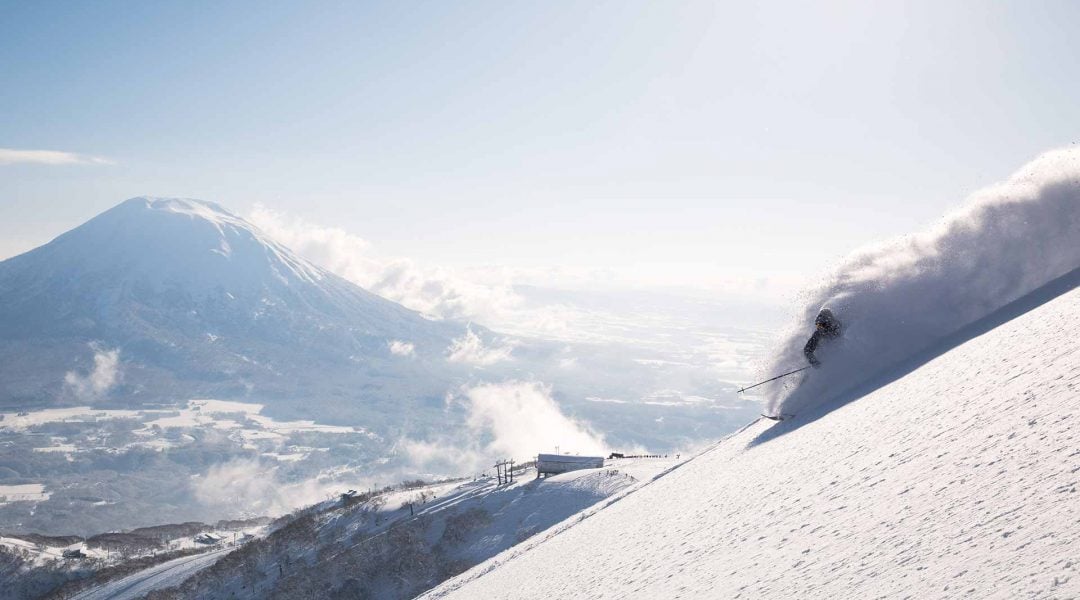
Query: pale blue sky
column 677, row 143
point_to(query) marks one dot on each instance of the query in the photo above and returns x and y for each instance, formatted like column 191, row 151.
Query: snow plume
column 255, row 487
column 470, row 349
column 514, row 419
column 899, row 299
column 100, row 379
column 433, row 291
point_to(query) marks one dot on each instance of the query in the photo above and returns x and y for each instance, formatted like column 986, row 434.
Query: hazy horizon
column 609, row 145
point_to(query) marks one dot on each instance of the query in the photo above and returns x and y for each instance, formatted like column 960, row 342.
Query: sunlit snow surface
column 958, row 480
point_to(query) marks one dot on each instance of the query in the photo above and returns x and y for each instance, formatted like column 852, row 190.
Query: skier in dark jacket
column 828, row 327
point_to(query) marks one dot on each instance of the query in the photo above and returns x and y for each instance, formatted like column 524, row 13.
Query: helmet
column 825, row 318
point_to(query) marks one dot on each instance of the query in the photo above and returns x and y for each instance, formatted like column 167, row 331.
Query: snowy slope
column 167, row 574
column 389, row 551
column 959, row 479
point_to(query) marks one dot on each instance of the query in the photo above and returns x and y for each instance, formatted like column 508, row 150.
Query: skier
column 828, row 327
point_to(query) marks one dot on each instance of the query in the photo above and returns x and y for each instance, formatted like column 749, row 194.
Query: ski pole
column 773, row 379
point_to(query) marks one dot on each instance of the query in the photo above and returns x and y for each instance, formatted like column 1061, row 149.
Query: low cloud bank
column 434, row 291
column 95, row 384
column 254, row 487
column 514, row 419
column 901, row 298
column 520, row 301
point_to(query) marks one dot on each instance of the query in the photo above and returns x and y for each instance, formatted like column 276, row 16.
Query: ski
column 779, row 417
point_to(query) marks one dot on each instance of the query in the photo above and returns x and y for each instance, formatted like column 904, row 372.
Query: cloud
column 481, row 295
column 400, row 348
column 95, row 384
column 437, row 292
column 530, row 302
column 254, row 486
column 521, row 418
column 470, row 349
column 10, row 156
column 514, row 419
column 900, row 298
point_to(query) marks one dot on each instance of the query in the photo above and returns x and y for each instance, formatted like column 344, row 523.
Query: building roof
column 568, row 458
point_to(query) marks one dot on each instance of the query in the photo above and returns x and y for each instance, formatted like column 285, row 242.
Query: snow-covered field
column 59, row 449
column 21, row 421
column 195, row 413
column 45, row 552
column 28, row 492
column 959, row 479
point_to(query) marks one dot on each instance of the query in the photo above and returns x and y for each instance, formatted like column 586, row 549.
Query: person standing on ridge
column 828, row 327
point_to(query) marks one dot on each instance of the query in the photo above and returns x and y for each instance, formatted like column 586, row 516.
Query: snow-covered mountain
column 169, row 361
column 956, row 479
column 193, row 301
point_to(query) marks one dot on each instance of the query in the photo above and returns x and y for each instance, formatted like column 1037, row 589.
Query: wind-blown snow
column 957, row 481
column 898, row 299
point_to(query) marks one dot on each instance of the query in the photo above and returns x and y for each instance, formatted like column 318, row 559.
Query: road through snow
column 166, row 574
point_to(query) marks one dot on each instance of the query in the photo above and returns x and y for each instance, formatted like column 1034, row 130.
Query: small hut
column 553, row 464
